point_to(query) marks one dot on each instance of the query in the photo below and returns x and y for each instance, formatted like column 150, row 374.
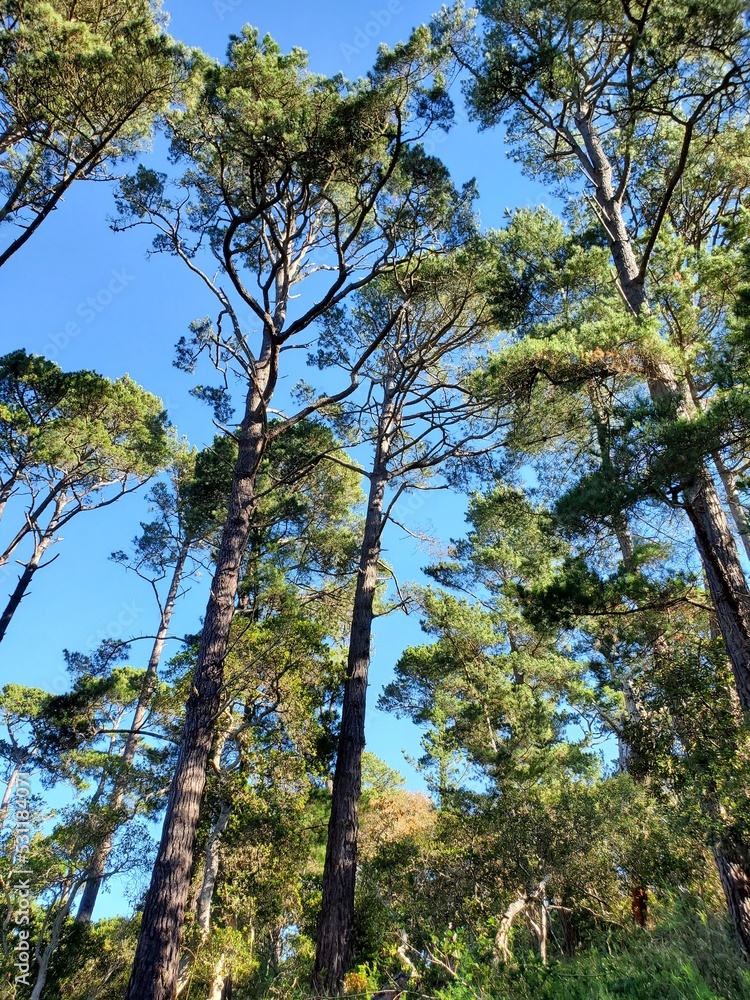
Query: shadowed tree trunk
column 155, row 968
column 734, row 871
column 725, row 577
column 639, row 905
column 336, row 924
column 727, row 477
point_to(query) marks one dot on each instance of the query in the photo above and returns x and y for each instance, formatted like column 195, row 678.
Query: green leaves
column 80, row 88
column 78, row 426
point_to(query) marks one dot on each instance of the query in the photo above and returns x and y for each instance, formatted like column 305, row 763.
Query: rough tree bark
column 103, row 848
column 733, row 864
column 336, row 924
column 154, row 975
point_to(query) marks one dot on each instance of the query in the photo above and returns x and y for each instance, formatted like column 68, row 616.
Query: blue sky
column 89, row 298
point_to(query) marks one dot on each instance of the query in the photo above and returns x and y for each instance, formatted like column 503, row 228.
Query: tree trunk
column 24, row 581
column 56, row 496
column 725, row 576
column 734, row 871
column 6, row 491
column 103, row 849
column 336, row 924
column 571, row 938
column 639, row 905
column 521, row 904
column 154, row 975
column 714, row 539
column 44, row 955
column 739, row 516
column 211, row 872
column 7, row 794
column 221, row 982
column 733, row 501
column 543, row 930
column 632, row 713
column 502, row 938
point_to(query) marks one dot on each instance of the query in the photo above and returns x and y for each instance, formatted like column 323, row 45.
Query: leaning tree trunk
column 154, row 975
column 58, row 499
column 724, row 574
column 732, row 856
column 728, row 480
column 714, row 539
column 44, row 955
column 336, row 924
column 24, row 580
column 103, row 848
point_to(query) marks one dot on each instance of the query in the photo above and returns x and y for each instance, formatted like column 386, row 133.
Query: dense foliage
column 577, row 379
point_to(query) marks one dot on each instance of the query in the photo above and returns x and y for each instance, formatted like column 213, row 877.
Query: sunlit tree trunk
column 44, row 954
column 733, row 501
column 714, row 539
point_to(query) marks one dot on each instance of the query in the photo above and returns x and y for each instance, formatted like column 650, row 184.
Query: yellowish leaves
column 392, row 816
column 355, row 983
